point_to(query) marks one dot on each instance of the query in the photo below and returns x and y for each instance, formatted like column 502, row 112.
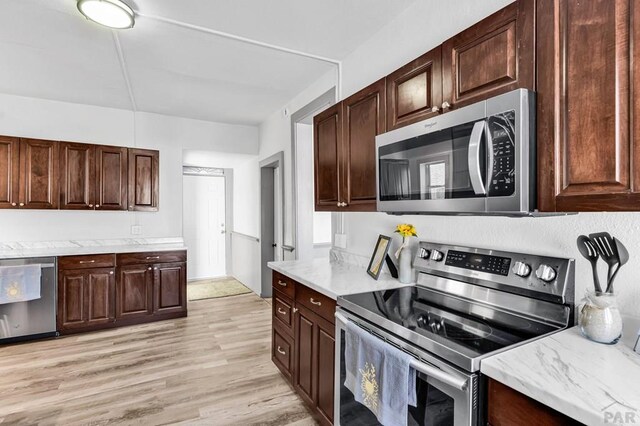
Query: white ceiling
column 49, row 51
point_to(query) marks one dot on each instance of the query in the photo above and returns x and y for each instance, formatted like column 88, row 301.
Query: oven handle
column 475, row 174
column 436, row 373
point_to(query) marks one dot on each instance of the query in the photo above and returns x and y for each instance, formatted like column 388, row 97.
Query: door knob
column 435, row 109
column 446, row 105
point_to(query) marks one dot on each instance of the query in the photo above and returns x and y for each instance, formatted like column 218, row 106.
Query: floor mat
column 214, row 288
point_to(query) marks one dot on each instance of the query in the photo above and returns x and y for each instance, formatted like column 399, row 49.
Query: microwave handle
column 475, row 174
column 428, row 370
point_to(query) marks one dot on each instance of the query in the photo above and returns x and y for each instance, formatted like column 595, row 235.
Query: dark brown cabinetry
column 587, row 106
column 303, row 343
column 492, row 57
column 9, row 172
column 86, row 292
column 144, row 179
column 414, row 92
column 508, row 407
column 38, row 174
column 107, row 290
column 344, row 147
column 93, row 177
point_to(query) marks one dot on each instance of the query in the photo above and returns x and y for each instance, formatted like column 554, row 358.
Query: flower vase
column 405, row 272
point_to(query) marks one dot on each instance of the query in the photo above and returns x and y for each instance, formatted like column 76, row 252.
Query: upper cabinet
column 93, row 177
column 414, row 92
column 38, row 174
column 9, row 172
column 344, row 148
column 494, row 56
column 587, row 111
column 144, row 179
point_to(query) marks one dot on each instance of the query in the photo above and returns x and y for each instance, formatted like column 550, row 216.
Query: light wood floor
column 212, row 368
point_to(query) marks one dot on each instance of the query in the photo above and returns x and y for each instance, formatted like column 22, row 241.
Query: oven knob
column 436, row 255
column 546, row 273
column 423, row 253
column 521, row 269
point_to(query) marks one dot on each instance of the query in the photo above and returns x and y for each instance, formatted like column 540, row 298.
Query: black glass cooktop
column 468, row 328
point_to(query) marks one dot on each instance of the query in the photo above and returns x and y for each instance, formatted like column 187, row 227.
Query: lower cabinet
column 303, row 348
column 508, row 407
column 103, row 291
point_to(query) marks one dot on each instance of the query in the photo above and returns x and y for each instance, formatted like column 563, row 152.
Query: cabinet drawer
column 318, row 303
column 87, row 261
column 282, row 352
column 124, row 259
column 284, row 284
column 283, row 312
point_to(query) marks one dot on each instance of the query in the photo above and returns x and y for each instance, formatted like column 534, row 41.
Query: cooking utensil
column 588, row 251
column 623, row 257
column 607, row 248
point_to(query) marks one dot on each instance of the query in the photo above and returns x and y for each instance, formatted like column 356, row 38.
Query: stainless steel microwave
column 479, row 159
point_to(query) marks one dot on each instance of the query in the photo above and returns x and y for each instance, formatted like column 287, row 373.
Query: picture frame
column 379, row 255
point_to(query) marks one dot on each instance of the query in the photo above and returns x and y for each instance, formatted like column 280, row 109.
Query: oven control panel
column 544, row 277
column 479, row 262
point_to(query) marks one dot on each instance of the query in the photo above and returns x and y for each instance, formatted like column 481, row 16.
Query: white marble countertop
column 593, row 383
column 71, row 248
column 333, row 279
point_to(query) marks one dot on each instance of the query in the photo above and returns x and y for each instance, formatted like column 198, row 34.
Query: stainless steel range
column 468, row 304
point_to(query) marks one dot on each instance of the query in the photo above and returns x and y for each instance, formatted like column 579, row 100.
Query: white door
column 204, row 225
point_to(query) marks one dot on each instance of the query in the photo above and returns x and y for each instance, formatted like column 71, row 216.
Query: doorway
column 312, row 230
column 271, row 217
column 205, row 222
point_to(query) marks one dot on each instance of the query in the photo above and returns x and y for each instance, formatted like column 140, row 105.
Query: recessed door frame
column 267, row 216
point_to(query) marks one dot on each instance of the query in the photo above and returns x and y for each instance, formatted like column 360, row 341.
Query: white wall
column 28, row 117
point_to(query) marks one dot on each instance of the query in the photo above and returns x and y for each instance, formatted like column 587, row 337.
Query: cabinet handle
column 155, row 269
column 91, row 206
column 435, row 109
column 21, row 204
column 281, row 312
column 97, row 206
column 295, row 310
column 339, row 204
column 314, row 301
column 281, row 351
column 87, row 261
column 153, row 257
column 149, row 268
column 282, row 283
column 14, row 204
column 344, row 204
column 110, row 272
column 446, row 105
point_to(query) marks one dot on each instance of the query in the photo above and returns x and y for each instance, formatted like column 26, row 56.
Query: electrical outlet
column 136, row 229
column 340, row 241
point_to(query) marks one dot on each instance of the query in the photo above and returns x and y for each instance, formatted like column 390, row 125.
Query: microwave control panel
column 503, row 134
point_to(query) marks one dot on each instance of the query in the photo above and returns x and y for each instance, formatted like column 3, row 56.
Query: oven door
column 446, row 396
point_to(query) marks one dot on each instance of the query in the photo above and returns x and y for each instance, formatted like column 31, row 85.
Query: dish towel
column 379, row 376
column 19, row 283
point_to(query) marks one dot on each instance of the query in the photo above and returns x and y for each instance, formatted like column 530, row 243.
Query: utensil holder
column 599, row 318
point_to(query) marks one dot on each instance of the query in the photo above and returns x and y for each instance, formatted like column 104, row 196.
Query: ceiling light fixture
column 110, row 13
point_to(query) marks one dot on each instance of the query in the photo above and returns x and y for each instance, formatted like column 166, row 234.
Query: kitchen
column 574, row 57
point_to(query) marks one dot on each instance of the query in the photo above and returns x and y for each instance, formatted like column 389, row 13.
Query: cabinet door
column 170, row 288
column 101, row 295
column 38, row 174
column 143, row 180
column 364, row 118
column 134, row 290
column 584, row 140
column 304, row 355
column 325, row 344
column 327, row 136
column 494, row 56
column 282, row 352
column 111, row 178
column 77, row 176
column 9, row 172
column 72, row 293
column 414, row 90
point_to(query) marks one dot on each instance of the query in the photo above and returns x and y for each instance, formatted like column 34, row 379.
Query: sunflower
column 406, row 230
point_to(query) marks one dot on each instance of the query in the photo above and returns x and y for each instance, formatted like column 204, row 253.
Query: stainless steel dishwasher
column 34, row 318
